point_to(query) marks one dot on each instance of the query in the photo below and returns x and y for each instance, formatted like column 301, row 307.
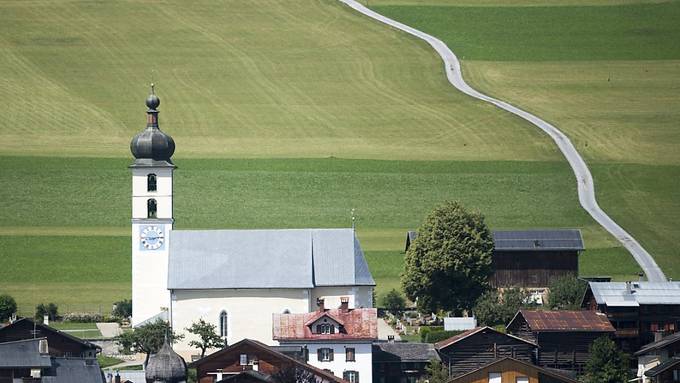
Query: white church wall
column 359, row 296
column 249, row 311
column 363, row 362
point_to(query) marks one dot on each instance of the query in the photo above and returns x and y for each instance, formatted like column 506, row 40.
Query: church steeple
column 152, row 147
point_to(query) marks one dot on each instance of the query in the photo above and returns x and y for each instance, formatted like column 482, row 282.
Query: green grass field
column 285, row 114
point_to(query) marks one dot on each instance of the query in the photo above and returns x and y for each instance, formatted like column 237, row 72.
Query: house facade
column 474, row 348
column 508, row 370
column 638, row 310
column 402, row 362
column 337, row 340
column 234, row 279
column 563, row 337
column 658, row 360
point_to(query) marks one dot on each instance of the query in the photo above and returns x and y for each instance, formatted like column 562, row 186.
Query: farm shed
column 563, row 337
column 475, row 348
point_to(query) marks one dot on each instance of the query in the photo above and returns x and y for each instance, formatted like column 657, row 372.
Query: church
column 235, row 279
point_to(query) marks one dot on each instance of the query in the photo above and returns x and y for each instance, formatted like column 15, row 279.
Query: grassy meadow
column 285, row 114
column 606, row 72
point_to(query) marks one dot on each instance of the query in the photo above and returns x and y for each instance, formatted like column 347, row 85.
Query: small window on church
column 223, row 324
column 151, row 182
column 151, row 208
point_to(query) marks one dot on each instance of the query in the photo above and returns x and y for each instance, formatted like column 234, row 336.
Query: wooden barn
column 533, row 258
column 508, row 370
column 530, row 258
column 563, row 337
column 397, row 362
column 475, row 348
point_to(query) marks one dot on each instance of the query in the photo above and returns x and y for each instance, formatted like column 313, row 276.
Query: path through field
column 586, row 187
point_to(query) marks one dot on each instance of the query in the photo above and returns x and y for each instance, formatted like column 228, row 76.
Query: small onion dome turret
column 166, row 366
column 152, row 147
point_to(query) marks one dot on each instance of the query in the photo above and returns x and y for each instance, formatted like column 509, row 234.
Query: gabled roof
column 537, row 240
column 266, row 350
column 322, row 314
column 358, row 324
column 23, row 354
column 528, row 240
column 656, row 370
column 564, row 321
column 615, row 294
column 659, row 344
column 558, row 377
column 47, row 329
column 295, row 258
column 404, row 352
column 466, row 334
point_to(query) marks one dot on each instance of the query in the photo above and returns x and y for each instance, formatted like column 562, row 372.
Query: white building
column 235, row 279
column 338, row 340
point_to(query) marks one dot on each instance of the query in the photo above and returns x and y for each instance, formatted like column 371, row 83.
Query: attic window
column 243, row 360
column 325, row 328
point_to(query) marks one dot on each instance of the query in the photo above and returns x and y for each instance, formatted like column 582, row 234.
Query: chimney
column 390, row 338
column 629, row 288
column 319, row 302
column 344, row 304
column 658, row 335
column 641, row 276
column 116, row 378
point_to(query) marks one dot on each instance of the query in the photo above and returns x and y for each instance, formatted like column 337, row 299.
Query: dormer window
column 325, row 328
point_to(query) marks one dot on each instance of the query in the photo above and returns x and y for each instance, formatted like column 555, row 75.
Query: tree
column 394, row 302
column 607, row 364
column 8, row 306
column 436, row 372
column 448, row 265
column 292, row 374
column 147, row 339
column 566, row 293
column 50, row 309
column 207, row 333
column 122, row 309
column 492, row 310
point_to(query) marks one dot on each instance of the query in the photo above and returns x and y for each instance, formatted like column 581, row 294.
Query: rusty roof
column 540, row 321
column 356, row 324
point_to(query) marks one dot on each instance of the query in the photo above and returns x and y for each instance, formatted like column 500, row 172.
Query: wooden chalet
column 530, row 258
column 478, row 347
column 563, row 337
column 663, row 352
column 61, row 344
column 508, row 370
column 638, row 310
column 251, row 361
column 401, row 362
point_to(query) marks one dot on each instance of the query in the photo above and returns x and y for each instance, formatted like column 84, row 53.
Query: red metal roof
column 566, row 321
column 356, row 324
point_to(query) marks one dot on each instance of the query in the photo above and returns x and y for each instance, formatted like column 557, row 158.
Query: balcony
column 626, row 333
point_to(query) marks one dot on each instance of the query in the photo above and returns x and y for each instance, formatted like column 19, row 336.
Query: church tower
column 152, row 217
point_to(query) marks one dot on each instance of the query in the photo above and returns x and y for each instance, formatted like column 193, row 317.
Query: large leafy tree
column 147, row 339
column 448, row 265
column 8, row 306
column 207, row 336
column 607, row 364
column 393, row 301
column 122, row 309
column 492, row 310
column 566, row 293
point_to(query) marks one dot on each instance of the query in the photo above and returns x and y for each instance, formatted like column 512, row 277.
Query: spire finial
column 153, row 101
column 153, row 86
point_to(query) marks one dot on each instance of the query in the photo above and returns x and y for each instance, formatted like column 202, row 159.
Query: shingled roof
column 404, row 352
column 659, row 344
column 465, row 334
column 295, row 258
column 358, row 324
column 23, row 354
column 552, row 321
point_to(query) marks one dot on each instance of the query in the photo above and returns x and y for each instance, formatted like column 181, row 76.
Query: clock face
column 152, row 237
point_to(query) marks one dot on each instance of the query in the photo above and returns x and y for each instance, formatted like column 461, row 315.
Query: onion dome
column 152, row 147
column 166, row 366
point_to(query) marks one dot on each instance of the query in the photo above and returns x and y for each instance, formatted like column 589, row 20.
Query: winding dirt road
column 586, row 187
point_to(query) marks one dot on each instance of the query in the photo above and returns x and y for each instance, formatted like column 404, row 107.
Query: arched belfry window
column 223, row 324
column 151, row 182
column 151, row 208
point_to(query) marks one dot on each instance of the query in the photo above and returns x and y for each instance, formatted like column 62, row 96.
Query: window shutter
column 356, row 375
column 345, row 375
column 332, row 329
column 330, row 354
column 318, row 355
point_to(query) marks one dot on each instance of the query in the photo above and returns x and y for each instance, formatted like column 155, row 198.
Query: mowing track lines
column 584, row 180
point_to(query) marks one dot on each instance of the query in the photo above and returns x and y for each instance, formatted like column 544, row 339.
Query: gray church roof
column 288, row 258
